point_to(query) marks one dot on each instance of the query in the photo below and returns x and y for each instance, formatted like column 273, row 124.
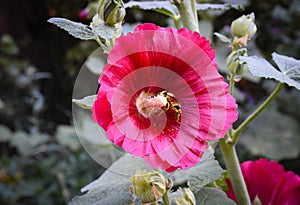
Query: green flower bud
column 233, row 66
column 187, row 198
column 111, row 11
column 257, row 201
column 243, row 26
column 148, row 186
column 233, row 63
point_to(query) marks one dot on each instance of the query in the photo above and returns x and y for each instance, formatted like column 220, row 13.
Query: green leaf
column 96, row 62
column 87, row 102
column 271, row 133
column 90, row 131
column 212, row 196
column 164, row 7
column 104, row 31
column 204, row 7
column 25, row 142
column 222, row 37
column 288, row 65
column 289, row 69
column 206, row 171
column 113, row 186
column 78, row 30
column 66, row 136
column 4, row 133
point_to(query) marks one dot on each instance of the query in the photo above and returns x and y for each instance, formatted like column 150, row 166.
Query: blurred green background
column 42, row 161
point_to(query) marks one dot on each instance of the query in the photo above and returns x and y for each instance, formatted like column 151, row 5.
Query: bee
column 172, row 103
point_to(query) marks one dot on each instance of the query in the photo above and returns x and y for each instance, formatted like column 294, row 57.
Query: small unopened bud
column 233, row 63
column 111, row 11
column 148, row 186
column 187, row 198
column 244, row 25
column 257, row 201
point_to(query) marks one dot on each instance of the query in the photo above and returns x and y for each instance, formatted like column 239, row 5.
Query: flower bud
column 233, row 63
column 257, row 201
column 187, row 198
column 148, row 186
column 244, row 25
column 111, row 11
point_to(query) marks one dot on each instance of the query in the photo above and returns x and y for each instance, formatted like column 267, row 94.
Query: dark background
column 38, row 68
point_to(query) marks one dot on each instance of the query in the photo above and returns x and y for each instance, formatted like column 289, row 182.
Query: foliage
column 42, row 161
column 289, row 69
column 44, row 170
column 113, row 187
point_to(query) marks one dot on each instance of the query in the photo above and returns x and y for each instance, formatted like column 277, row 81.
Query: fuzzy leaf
column 113, row 186
column 206, row 171
column 66, row 136
column 288, row 65
column 5, row 133
column 78, row 30
column 289, row 69
column 104, row 31
column 268, row 137
column 26, row 142
column 164, row 7
column 212, row 196
column 87, row 102
column 204, row 7
column 222, row 37
column 96, row 62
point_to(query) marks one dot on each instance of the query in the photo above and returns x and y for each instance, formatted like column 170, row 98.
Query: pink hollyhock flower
column 268, row 181
column 162, row 98
column 83, row 14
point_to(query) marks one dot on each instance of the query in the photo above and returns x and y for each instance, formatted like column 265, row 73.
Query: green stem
column 235, row 172
column 188, row 13
column 238, row 131
column 232, row 162
column 165, row 199
column 155, row 203
column 231, row 86
column 231, row 83
column 177, row 22
column 99, row 42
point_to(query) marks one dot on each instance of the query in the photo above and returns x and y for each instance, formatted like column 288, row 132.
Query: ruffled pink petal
column 261, row 178
column 102, row 111
column 288, row 190
column 269, row 182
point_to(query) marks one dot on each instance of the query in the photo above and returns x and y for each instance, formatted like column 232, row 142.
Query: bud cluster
column 233, row 64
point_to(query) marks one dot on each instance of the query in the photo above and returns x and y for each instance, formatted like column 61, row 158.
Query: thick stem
column 235, row 173
column 165, row 198
column 238, row 131
column 188, row 14
column 177, row 22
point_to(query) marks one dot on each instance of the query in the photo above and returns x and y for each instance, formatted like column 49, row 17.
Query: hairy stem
column 165, row 199
column 177, row 22
column 188, row 13
column 235, row 172
column 231, row 83
column 238, row 131
column 232, row 162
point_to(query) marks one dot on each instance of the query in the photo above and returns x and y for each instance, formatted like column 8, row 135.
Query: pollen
column 149, row 104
